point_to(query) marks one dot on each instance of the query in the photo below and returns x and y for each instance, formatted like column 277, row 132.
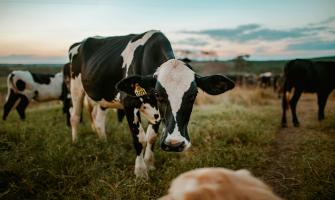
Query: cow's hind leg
column 139, row 140
column 293, row 104
column 151, row 136
column 10, row 102
column 285, row 100
column 77, row 96
column 21, row 107
column 322, row 100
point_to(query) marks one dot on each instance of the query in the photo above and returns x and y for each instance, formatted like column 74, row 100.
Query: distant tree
column 240, row 62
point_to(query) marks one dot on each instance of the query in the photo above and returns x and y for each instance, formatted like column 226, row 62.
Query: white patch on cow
column 141, row 136
column 73, row 52
column 149, row 158
column 140, row 167
column 149, row 113
column 128, row 52
column 77, row 96
column 176, row 78
column 118, row 97
column 266, row 74
column 9, row 86
column 175, row 137
column 37, row 91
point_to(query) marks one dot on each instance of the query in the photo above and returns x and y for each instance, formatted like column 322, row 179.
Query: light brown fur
column 218, row 184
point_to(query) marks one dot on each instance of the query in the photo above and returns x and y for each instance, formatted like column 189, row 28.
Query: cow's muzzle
column 175, row 147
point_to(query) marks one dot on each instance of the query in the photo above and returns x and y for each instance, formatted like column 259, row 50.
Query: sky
column 41, row 31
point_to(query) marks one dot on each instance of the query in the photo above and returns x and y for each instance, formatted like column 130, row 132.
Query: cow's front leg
column 151, row 137
column 99, row 121
column 139, row 140
column 77, row 96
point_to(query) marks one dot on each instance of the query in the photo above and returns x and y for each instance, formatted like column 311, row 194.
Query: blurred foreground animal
column 218, row 184
column 307, row 76
column 25, row 86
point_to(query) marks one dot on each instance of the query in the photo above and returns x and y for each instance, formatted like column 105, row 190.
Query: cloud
column 313, row 39
column 250, row 32
column 312, row 45
column 192, row 41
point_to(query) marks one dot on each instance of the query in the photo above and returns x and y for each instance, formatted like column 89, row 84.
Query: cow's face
column 176, row 87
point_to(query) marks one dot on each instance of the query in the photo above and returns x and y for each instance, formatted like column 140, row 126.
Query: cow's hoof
column 141, row 173
column 296, row 124
column 150, row 164
column 284, row 125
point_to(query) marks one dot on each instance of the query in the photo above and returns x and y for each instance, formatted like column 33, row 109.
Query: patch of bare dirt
column 281, row 171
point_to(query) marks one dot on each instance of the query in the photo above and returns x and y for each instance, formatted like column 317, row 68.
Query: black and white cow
column 265, row 79
column 151, row 81
column 307, row 76
column 24, row 86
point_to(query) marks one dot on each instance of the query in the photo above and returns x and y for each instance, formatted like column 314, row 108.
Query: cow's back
column 310, row 76
column 105, row 61
column 101, row 66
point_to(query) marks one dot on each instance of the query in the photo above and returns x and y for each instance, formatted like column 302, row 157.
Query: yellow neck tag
column 139, row 91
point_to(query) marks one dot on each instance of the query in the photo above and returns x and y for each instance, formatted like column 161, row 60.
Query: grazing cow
column 265, row 79
column 307, row 76
column 218, row 184
column 150, row 80
column 24, row 86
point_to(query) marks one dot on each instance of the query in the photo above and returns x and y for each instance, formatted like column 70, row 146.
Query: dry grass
column 239, row 129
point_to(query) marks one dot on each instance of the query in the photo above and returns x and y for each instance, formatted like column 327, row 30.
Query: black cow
column 152, row 82
column 24, row 86
column 307, row 76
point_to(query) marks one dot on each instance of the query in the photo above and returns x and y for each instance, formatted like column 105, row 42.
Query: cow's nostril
column 175, row 144
column 156, row 116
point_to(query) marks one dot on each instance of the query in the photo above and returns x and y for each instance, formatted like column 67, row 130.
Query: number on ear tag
column 139, row 91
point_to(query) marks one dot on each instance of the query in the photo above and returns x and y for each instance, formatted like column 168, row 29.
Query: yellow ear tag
column 139, row 91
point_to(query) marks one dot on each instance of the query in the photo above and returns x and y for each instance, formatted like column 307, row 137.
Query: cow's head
column 176, row 87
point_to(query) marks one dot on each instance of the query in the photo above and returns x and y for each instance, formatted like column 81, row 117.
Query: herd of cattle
column 138, row 75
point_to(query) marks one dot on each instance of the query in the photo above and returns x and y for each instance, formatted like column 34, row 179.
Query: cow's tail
column 10, row 84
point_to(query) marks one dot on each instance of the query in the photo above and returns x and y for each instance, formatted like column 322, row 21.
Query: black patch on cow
column 186, row 60
column 12, row 98
column 20, row 85
column 42, row 78
column 35, row 94
column 21, row 107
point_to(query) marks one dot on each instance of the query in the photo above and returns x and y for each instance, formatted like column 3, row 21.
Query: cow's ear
column 136, row 85
column 215, row 84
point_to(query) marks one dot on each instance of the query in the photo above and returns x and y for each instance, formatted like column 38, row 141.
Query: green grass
column 39, row 161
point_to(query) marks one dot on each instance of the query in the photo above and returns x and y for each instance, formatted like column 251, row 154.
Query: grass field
column 239, row 129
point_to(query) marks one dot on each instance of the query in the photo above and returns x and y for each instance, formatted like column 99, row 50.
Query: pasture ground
column 239, row 129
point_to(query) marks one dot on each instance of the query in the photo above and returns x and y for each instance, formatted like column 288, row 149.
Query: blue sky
column 42, row 30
